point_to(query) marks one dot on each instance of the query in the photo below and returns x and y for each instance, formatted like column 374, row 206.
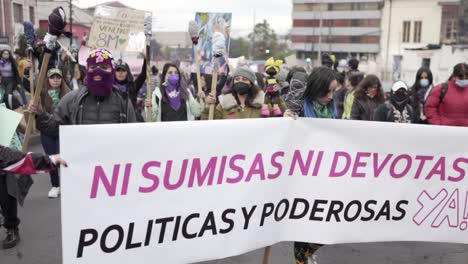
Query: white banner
column 183, row 192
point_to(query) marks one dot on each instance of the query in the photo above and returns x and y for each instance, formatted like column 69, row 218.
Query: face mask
column 173, row 79
column 102, row 87
column 400, row 99
column 241, row 88
column 5, row 56
column 424, row 82
column 462, row 83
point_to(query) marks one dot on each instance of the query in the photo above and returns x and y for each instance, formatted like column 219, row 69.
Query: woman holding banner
column 243, row 100
column 55, row 89
column 171, row 101
column 318, row 103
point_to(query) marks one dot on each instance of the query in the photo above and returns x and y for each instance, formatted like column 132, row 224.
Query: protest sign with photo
column 210, row 23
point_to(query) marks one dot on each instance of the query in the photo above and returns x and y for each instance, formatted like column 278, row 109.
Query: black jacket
column 80, row 107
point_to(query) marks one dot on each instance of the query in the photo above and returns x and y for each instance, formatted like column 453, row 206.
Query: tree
column 239, row 47
column 264, row 39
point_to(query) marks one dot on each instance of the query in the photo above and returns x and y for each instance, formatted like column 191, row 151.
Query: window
column 417, row 31
column 451, row 29
column 309, row 7
column 426, row 63
column 365, row 6
column 406, row 31
column 340, row 7
column 18, row 13
column 31, row 14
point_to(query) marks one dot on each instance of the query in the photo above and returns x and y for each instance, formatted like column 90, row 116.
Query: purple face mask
column 173, row 79
column 102, row 87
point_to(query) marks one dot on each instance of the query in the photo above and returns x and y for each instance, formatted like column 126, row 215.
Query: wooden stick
column 197, row 66
column 266, row 255
column 214, row 82
column 31, row 74
column 149, row 91
column 36, row 99
column 31, row 81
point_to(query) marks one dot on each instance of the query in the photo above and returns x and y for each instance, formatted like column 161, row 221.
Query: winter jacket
column 229, row 109
column 388, row 113
column 340, row 99
column 193, row 107
column 364, row 108
column 80, row 107
column 452, row 111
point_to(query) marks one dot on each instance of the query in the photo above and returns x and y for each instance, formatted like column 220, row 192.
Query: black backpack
column 442, row 94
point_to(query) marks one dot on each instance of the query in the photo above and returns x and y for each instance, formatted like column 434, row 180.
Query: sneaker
column 54, row 192
column 12, row 238
column 265, row 110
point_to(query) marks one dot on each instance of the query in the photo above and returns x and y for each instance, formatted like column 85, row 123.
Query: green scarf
column 55, row 95
column 321, row 110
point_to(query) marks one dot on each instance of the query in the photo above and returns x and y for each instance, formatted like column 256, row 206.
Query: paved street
column 41, row 242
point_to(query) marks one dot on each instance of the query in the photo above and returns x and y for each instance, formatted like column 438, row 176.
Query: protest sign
column 10, row 120
column 209, row 23
column 165, row 197
column 118, row 29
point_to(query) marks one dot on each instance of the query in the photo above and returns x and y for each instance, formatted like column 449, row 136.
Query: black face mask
column 400, row 99
column 241, row 88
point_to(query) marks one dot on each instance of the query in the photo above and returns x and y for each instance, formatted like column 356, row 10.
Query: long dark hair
column 318, row 83
column 460, row 70
column 417, row 86
column 251, row 95
column 183, row 90
column 369, row 81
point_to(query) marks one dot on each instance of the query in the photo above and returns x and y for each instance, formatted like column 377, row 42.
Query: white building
column 408, row 24
column 442, row 61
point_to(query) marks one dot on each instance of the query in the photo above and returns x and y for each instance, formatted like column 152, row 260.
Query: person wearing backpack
column 420, row 88
column 99, row 102
column 398, row 109
column 447, row 103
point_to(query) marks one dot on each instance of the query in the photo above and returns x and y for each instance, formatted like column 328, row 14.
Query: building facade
column 12, row 15
column 81, row 20
column 342, row 27
column 413, row 25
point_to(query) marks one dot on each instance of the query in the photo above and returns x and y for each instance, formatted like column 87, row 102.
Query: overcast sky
column 174, row 15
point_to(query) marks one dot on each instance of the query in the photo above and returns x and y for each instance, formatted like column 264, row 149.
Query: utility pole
column 320, row 35
column 71, row 23
column 388, row 39
column 253, row 33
